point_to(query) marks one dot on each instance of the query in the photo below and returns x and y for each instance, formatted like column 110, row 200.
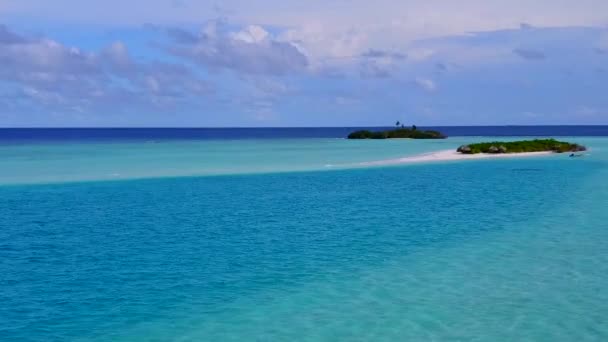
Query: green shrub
column 537, row 145
column 396, row 134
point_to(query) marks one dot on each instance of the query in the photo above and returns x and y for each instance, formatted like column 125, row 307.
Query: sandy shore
column 447, row 155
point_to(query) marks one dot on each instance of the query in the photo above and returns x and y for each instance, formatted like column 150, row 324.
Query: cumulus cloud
column 408, row 19
column 372, row 69
column 252, row 50
column 529, row 54
column 50, row 74
column 379, row 63
column 39, row 71
column 419, row 54
column 426, row 84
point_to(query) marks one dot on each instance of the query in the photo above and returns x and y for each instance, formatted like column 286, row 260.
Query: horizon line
column 290, row 127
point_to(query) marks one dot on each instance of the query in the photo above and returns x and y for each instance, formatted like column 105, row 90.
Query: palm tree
column 397, row 123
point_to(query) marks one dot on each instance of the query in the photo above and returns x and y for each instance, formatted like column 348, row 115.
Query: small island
column 397, row 133
column 523, row 146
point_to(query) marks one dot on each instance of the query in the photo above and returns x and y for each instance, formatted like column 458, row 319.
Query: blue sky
column 302, row 63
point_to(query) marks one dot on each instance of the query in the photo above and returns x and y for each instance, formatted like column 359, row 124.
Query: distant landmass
column 397, row 133
column 522, row 146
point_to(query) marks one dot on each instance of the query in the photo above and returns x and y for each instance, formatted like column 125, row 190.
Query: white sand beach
column 447, row 155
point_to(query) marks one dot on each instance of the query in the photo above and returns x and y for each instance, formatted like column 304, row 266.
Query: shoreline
column 451, row 155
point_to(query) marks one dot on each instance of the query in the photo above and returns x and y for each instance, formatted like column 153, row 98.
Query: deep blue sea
column 97, row 134
column 286, row 234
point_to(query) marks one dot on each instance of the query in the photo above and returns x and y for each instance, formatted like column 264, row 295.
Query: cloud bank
column 38, row 72
column 251, row 50
column 319, row 63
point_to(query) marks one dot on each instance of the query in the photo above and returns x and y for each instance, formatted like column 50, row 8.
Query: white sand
column 447, row 155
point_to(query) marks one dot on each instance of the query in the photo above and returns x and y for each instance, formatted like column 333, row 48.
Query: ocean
column 287, row 234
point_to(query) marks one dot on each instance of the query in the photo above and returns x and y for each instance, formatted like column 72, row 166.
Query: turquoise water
column 60, row 162
column 68, row 162
column 488, row 250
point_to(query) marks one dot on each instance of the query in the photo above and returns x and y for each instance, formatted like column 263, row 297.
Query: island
column 398, row 133
column 522, row 146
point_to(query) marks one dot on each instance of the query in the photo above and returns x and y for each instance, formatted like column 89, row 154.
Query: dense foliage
column 537, row 145
column 412, row 133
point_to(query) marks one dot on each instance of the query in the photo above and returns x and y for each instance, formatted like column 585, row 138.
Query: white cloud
column 420, row 54
column 251, row 50
column 118, row 54
column 426, row 84
column 383, row 21
column 328, row 32
column 281, row 58
column 410, row 13
column 152, row 84
column 54, row 75
column 251, row 34
column 379, row 63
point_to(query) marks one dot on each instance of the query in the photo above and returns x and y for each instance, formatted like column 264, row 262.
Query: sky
column 267, row 63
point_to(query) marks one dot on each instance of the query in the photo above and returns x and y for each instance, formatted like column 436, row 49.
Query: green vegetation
column 412, row 133
column 537, row 145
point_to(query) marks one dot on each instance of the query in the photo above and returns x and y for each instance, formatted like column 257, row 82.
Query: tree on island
column 397, row 123
column 414, row 127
